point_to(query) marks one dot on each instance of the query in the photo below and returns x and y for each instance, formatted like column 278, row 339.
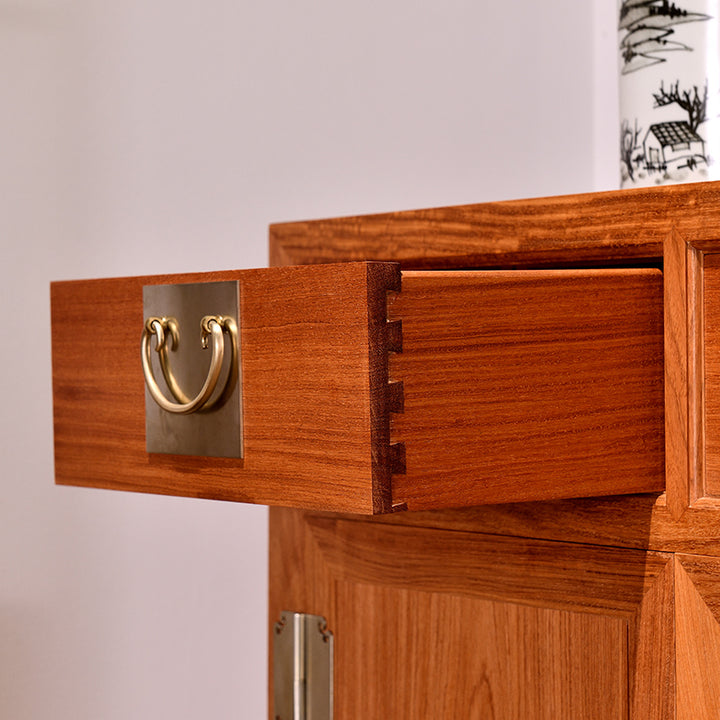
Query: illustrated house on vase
column 672, row 144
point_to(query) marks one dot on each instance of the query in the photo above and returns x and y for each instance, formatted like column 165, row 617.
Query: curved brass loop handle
column 212, row 327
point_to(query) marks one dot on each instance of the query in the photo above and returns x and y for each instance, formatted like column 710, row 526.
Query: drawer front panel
column 314, row 370
column 528, row 385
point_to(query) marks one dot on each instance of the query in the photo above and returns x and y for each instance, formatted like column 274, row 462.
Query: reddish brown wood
column 382, row 339
column 638, row 521
column 711, row 354
column 676, row 372
column 510, row 386
column 314, row 390
column 684, row 429
column 569, row 231
column 444, row 624
column 597, row 228
column 698, row 637
column 446, row 657
column 651, row 641
column 535, row 572
column 704, row 571
column 515, row 610
column 526, row 385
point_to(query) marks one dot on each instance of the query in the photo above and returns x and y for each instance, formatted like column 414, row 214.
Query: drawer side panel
column 529, row 385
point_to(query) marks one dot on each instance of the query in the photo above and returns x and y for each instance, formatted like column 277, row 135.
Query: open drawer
column 367, row 390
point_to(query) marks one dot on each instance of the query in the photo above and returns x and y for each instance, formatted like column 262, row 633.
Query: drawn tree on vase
column 648, row 27
column 691, row 101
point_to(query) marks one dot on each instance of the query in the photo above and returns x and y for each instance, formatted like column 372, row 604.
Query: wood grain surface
column 528, row 385
column 711, row 353
column 422, row 655
column 684, row 291
column 444, row 624
column 314, row 390
column 698, row 638
column 534, row 572
column 673, row 640
column 592, row 229
column 704, row 572
column 583, row 230
column 511, row 385
column 651, row 650
column 634, row 521
column 676, row 311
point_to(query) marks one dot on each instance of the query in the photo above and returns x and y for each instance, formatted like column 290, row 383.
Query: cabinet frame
column 675, row 228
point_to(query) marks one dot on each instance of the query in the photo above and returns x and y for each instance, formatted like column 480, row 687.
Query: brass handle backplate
column 193, row 384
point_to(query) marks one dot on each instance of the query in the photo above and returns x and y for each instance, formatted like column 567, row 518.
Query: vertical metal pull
column 302, row 668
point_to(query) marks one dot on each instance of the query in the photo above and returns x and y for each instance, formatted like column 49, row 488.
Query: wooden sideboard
column 504, row 495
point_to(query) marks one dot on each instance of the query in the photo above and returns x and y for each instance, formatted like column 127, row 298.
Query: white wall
column 149, row 136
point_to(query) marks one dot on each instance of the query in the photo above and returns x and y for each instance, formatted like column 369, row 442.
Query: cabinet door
column 431, row 623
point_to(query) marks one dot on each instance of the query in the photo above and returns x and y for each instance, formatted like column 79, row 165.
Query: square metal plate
column 215, row 432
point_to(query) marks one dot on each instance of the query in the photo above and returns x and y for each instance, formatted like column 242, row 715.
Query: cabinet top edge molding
column 616, row 227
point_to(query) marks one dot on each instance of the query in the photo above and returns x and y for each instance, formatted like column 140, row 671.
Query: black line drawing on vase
column 691, row 101
column 628, row 147
column 672, row 148
column 648, row 26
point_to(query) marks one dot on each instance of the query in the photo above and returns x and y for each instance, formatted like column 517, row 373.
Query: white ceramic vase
column 669, row 91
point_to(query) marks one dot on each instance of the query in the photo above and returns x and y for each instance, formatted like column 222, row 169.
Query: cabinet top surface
column 618, row 227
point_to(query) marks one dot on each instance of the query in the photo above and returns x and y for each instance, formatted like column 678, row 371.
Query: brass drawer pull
column 212, row 326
